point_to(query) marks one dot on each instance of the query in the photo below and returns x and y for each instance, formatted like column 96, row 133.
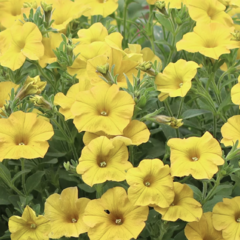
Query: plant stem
column 204, row 192
column 166, row 104
column 151, row 27
column 125, row 11
column 23, row 175
column 180, row 107
column 214, row 125
column 131, row 155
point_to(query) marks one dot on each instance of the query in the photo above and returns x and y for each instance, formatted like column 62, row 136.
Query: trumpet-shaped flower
column 212, row 40
column 135, row 133
column 198, row 156
column 65, row 213
column 29, row 226
column 103, row 108
column 203, row 229
column 103, row 160
column 150, row 183
column 24, row 135
column 114, row 217
column 175, row 81
column 207, row 11
column 226, row 218
column 17, row 47
column 231, row 131
column 183, row 207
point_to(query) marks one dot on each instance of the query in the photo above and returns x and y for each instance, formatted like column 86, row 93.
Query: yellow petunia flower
column 235, row 93
column 103, row 160
column 135, row 133
column 175, row 81
column 231, row 131
column 65, row 213
column 103, row 108
column 198, row 156
column 96, row 33
column 207, row 11
column 114, row 217
column 24, row 135
column 226, row 218
column 26, row 44
column 66, row 102
column 150, row 183
column 29, row 226
column 184, row 206
column 212, row 40
column 203, row 229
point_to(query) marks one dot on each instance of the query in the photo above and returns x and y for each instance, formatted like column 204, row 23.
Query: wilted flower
column 39, row 101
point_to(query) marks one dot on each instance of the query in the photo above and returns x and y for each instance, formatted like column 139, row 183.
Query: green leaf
column 33, row 181
column 16, row 176
column 53, row 65
column 86, row 188
column 4, row 172
column 164, row 21
column 193, row 113
column 197, row 193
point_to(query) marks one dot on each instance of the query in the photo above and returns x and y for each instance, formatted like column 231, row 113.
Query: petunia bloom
column 203, row 229
column 114, row 217
column 226, row 218
column 29, row 226
column 184, row 206
column 235, row 93
column 103, row 160
column 135, row 133
column 24, row 135
column 198, row 156
column 231, row 131
column 175, row 81
column 212, row 40
column 150, row 183
column 103, row 108
column 65, row 213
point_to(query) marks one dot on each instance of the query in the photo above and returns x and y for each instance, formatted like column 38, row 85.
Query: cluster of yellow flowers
column 103, row 103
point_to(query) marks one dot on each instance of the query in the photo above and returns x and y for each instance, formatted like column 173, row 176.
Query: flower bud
column 103, row 69
column 30, row 5
column 236, row 35
column 170, row 121
column 147, row 67
column 160, row 5
column 39, row 101
column 46, row 7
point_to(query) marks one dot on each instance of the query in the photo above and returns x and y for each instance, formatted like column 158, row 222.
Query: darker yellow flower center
column 194, row 159
column 118, row 221
column 102, row 1
column 21, row 140
column 238, row 220
column 147, row 184
column 102, row 164
column 74, row 220
column 33, row 226
column 103, row 113
column 211, row 12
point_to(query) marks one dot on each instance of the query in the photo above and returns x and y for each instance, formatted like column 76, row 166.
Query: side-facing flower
column 24, row 135
column 226, row 217
column 29, row 226
column 150, row 183
column 103, row 160
column 184, row 206
column 203, row 229
column 103, row 108
column 65, row 213
column 176, row 78
column 198, row 156
column 231, row 131
column 114, row 217
column 212, row 40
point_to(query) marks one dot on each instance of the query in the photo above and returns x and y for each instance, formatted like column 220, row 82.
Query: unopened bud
column 46, row 7
column 103, row 69
column 147, row 67
column 67, row 165
column 40, row 102
column 170, row 121
column 236, row 35
column 160, row 5
column 30, row 5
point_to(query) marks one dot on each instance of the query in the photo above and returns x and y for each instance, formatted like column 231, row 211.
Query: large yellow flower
column 207, row 11
column 103, row 160
column 24, row 135
column 175, row 81
column 235, row 93
column 198, row 156
column 26, row 44
column 203, row 230
column 29, row 226
column 103, row 108
column 65, row 213
column 226, row 217
column 114, row 217
column 183, row 207
column 231, row 131
column 135, row 133
column 211, row 40
column 150, row 183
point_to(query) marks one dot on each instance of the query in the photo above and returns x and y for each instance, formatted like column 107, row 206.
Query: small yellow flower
column 114, row 217
column 212, row 40
column 65, row 213
column 135, row 133
column 198, row 156
column 203, row 229
column 103, row 160
column 29, row 226
column 231, row 131
column 184, row 206
column 176, row 78
column 226, row 218
column 103, row 108
column 150, row 183
column 24, row 135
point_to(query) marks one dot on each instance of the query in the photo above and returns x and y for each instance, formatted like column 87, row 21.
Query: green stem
column 125, row 11
column 151, row 27
column 23, row 176
column 204, row 192
column 131, row 155
column 214, row 125
column 180, row 107
column 166, row 104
